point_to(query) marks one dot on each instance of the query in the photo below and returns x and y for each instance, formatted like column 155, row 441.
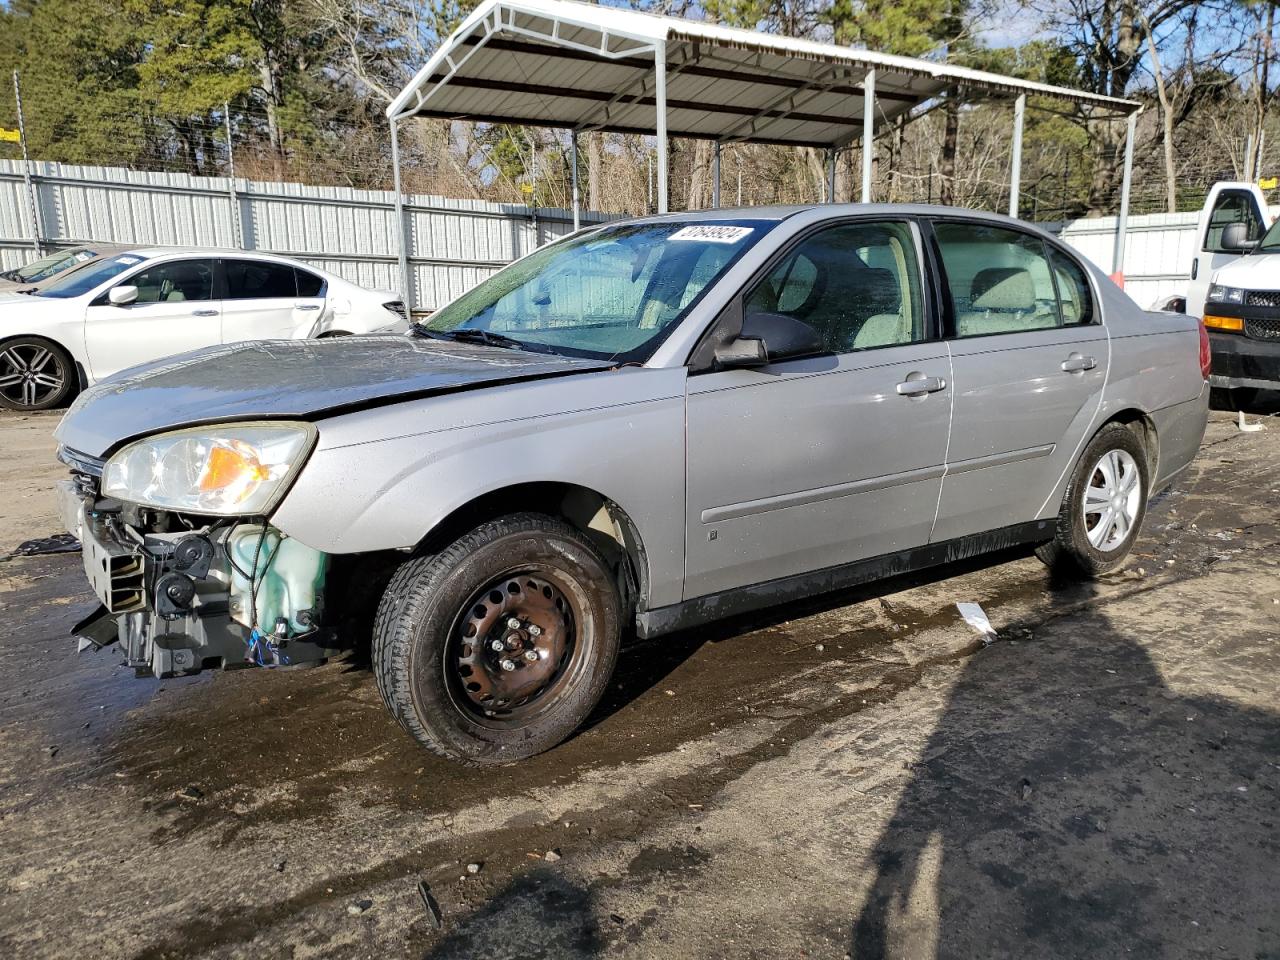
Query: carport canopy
column 583, row 67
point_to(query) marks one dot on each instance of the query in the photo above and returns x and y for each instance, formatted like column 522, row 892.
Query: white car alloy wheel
column 1111, row 500
column 32, row 375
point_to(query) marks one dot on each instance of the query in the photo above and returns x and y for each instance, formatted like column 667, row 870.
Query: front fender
column 385, row 478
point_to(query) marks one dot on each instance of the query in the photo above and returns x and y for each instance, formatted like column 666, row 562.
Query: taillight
column 1206, row 356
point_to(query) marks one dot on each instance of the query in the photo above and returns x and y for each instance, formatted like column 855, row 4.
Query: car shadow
column 1082, row 808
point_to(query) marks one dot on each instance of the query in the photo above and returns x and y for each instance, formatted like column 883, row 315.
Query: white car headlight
column 1218, row 293
column 223, row 469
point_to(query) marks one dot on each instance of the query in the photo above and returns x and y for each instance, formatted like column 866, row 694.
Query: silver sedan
column 646, row 426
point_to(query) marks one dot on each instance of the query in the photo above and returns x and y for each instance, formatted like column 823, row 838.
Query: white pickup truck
column 1235, row 288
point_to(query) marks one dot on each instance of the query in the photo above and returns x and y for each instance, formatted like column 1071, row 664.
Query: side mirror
column 123, row 295
column 742, row 352
column 1235, row 238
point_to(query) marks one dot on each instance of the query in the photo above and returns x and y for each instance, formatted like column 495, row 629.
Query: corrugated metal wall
column 1158, row 251
column 453, row 244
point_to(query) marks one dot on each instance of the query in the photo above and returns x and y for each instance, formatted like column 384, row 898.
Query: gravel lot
column 854, row 777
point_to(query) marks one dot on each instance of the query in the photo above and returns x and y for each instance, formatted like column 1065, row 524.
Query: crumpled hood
column 291, row 379
column 1257, row 271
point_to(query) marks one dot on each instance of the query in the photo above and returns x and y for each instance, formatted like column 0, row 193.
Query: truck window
column 1232, row 206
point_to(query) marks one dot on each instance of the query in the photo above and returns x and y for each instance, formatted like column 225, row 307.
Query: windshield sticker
column 712, row 234
column 128, row 261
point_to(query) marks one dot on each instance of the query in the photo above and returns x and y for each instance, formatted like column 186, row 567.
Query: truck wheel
column 1104, row 506
column 498, row 647
column 35, row 374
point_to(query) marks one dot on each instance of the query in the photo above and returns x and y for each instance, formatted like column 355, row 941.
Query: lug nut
column 535, row 630
column 508, row 665
column 531, row 655
column 513, row 623
column 497, row 646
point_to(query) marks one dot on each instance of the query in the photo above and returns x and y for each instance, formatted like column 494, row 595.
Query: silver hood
column 291, row 379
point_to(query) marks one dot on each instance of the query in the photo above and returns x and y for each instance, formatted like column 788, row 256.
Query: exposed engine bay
column 181, row 593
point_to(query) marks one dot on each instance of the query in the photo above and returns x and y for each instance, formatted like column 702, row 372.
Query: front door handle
column 1078, row 364
column 306, row 306
column 918, row 386
column 204, row 313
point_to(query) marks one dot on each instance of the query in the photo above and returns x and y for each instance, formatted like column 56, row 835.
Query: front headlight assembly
column 227, row 469
column 1218, row 293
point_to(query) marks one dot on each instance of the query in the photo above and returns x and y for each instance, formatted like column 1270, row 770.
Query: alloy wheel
column 1112, row 500
column 29, row 374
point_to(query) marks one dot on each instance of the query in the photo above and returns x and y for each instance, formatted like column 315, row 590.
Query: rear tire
column 533, row 587
column 1104, row 506
column 35, row 374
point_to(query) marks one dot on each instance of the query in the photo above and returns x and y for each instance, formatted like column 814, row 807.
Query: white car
column 147, row 304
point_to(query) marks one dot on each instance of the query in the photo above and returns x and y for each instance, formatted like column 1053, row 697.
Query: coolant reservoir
column 289, row 577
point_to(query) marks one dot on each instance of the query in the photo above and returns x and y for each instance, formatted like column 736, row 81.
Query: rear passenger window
column 257, row 279
column 309, row 285
column 1000, row 279
column 857, row 284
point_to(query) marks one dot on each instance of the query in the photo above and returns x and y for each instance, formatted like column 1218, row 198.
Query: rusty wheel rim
column 513, row 649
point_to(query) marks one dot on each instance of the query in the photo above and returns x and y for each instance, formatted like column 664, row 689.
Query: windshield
column 38, row 270
column 612, row 294
column 79, row 282
column 1270, row 240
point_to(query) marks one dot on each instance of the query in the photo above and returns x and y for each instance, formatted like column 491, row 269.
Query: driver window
column 1232, row 206
column 857, row 284
column 179, row 280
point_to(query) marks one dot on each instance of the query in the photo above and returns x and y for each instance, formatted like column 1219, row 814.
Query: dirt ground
column 857, row 777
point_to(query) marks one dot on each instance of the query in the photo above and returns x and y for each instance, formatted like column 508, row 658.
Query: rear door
column 818, row 461
column 1029, row 359
column 1226, row 204
column 261, row 301
column 176, row 310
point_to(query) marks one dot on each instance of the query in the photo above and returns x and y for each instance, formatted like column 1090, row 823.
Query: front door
column 818, row 461
column 1029, row 358
column 1225, row 206
column 175, row 312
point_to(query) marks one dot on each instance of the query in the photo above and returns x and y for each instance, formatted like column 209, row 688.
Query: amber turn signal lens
column 1223, row 323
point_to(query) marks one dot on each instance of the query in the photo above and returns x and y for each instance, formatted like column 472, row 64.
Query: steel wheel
column 1112, row 499
column 33, row 375
column 514, row 650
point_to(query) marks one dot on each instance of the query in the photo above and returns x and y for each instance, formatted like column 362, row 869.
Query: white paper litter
column 976, row 617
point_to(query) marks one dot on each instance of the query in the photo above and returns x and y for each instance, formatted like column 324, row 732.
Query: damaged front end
column 182, row 593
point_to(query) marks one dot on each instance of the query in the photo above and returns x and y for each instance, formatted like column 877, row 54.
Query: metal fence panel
column 453, row 244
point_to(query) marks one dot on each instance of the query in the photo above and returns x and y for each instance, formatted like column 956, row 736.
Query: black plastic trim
column 728, row 603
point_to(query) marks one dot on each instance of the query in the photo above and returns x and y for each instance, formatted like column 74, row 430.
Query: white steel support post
column 715, row 176
column 1122, row 222
column 577, row 197
column 660, row 96
column 1015, row 166
column 26, row 169
column 402, row 244
column 831, row 175
column 868, row 131
column 236, row 228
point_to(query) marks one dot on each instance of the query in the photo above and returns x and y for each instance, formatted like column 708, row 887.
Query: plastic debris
column 1249, row 427
column 433, row 906
column 58, row 543
column 976, row 617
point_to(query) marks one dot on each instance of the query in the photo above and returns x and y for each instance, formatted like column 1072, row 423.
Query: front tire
column 498, row 647
column 1104, row 506
column 35, row 374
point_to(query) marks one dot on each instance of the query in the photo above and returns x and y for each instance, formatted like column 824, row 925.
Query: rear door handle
column 204, row 313
column 921, row 385
column 1078, row 364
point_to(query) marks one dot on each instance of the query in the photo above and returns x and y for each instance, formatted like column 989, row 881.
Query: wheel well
column 333, row 333
column 1142, row 426
column 604, row 522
